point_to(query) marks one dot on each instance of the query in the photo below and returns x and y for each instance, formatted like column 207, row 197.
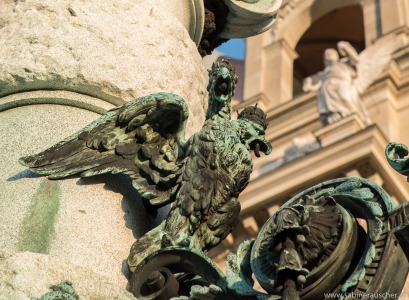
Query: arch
column 301, row 14
column 342, row 24
column 269, row 73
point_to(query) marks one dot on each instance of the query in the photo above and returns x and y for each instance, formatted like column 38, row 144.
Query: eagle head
column 222, row 80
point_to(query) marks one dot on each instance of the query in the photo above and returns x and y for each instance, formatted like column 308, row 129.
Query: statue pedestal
column 339, row 130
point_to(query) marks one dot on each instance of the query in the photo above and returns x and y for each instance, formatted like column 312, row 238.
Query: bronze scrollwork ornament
column 311, row 247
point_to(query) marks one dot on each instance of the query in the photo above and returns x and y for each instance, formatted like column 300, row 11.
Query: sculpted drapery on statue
column 337, row 96
column 343, row 81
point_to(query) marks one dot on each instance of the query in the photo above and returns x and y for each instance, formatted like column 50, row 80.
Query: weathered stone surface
column 25, row 275
column 78, row 59
column 113, row 50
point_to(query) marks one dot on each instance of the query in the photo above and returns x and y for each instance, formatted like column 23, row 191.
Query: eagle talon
column 185, row 241
column 166, row 239
column 182, row 240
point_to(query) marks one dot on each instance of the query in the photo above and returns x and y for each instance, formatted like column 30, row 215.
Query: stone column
column 278, row 85
column 269, row 72
column 63, row 64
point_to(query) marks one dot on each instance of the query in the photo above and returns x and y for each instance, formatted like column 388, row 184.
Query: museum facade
column 305, row 150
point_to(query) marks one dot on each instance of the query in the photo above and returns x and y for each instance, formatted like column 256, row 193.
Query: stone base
column 24, row 275
column 339, row 130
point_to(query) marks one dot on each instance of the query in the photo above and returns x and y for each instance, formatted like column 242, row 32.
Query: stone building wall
column 304, row 151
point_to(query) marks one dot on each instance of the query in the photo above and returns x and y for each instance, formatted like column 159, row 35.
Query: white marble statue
column 343, row 81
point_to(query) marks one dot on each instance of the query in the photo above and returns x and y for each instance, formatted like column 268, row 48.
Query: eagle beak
column 222, row 85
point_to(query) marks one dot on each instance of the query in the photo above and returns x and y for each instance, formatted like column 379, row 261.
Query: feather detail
column 143, row 138
column 373, row 60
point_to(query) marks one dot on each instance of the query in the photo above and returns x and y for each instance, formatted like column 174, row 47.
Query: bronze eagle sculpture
column 144, row 139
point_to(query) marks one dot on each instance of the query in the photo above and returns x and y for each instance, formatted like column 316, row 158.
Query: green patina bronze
column 311, row 246
column 144, row 138
column 395, row 154
column 325, row 245
column 61, row 291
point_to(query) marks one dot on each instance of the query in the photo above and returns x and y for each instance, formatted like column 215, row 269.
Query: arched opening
column 342, row 24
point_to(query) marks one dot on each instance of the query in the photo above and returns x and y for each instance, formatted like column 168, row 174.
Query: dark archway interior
column 344, row 24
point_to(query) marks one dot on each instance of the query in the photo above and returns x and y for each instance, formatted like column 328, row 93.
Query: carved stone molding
column 286, row 9
column 249, row 17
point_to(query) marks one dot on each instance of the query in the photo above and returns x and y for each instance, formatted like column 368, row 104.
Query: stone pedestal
column 338, row 131
column 29, row 274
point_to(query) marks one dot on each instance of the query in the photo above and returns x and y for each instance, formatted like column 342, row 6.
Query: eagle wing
column 143, row 138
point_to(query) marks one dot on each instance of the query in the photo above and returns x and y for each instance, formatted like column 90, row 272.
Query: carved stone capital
column 228, row 19
column 249, row 17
